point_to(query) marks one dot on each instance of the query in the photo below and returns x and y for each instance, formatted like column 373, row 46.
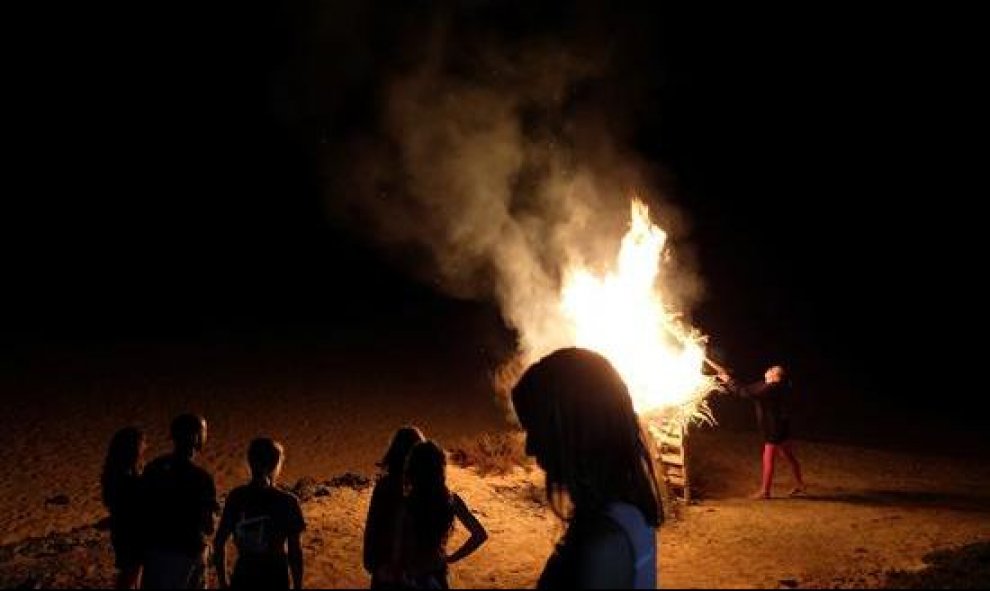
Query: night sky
column 166, row 179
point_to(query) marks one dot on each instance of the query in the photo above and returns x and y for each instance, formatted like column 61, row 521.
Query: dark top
column 122, row 497
column 180, row 502
column 770, row 401
column 382, row 523
column 422, row 551
column 261, row 518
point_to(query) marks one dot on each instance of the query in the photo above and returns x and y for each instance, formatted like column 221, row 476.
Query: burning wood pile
column 622, row 315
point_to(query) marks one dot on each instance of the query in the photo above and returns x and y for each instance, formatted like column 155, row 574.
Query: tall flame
column 622, row 316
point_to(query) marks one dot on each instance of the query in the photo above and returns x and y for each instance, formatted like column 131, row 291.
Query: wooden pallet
column 671, row 443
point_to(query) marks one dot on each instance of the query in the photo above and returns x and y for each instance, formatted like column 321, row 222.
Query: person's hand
column 724, row 378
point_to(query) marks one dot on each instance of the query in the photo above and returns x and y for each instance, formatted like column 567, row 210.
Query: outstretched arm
column 474, row 527
column 755, row 390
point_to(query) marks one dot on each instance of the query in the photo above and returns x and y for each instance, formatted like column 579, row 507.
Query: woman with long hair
column 381, row 525
column 600, row 475
column 428, row 515
column 120, row 483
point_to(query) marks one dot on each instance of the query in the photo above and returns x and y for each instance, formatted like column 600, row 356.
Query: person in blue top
column 600, row 475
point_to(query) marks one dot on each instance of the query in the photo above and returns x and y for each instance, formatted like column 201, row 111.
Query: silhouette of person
column 121, row 492
column 426, row 520
column 600, row 475
column 381, row 525
column 769, row 397
column 179, row 506
column 264, row 522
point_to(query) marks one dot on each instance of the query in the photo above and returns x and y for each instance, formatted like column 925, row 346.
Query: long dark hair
column 585, row 434
column 122, row 461
column 394, row 461
column 428, row 499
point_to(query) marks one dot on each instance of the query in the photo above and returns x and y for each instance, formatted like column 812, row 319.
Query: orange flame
column 622, row 316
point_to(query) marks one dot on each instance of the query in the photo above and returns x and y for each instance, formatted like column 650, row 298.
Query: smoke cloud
column 493, row 160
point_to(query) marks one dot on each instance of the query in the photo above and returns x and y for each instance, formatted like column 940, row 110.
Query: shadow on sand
column 906, row 499
column 966, row 567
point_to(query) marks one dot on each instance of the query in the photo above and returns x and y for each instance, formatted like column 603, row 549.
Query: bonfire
column 621, row 314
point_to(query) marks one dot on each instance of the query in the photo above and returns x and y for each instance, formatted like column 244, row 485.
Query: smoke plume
column 499, row 159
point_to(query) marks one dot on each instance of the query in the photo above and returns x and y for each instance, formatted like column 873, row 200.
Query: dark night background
column 163, row 185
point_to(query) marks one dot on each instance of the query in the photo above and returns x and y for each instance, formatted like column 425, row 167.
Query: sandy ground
column 333, row 407
column 868, row 514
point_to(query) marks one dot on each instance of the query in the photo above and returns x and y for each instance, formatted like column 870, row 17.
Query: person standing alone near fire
column 770, row 396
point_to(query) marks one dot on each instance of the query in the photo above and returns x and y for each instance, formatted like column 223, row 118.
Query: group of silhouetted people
column 411, row 515
column 580, row 427
column 161, row 519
